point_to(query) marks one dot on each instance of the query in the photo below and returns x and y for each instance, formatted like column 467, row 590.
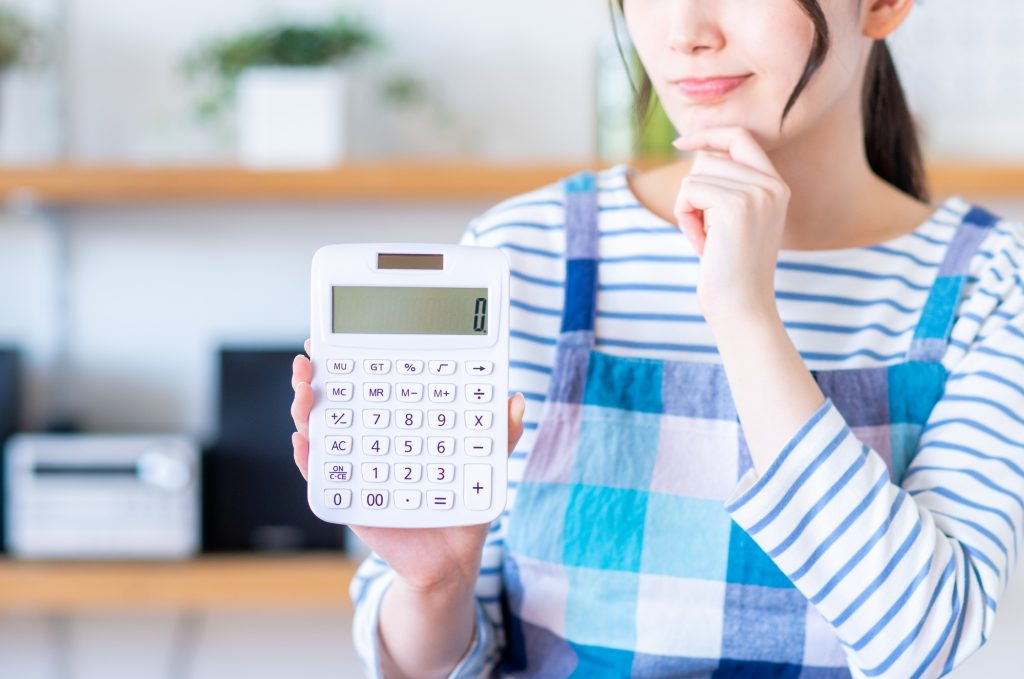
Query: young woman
column 774, row 421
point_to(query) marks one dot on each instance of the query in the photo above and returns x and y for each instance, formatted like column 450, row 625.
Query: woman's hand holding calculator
column 436, row 568
column 423, row 557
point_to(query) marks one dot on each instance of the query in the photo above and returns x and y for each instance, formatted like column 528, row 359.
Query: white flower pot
column 291, row 117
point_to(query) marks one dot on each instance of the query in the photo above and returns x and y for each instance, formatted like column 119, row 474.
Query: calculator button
column 409, row 419
column 479, row 419
column 338, row 445
column 410, row 367
column 441, row 393
column 374, row 498
column 377, row 366
column 477, row 486
column 409, row 392
column 441, row 446
column 375, row 445
column 376, row 419
column 408, row 499
column 440, row 499
column 478, row 446
column 442, row 419
column 440, row 473
column 479, row 367
column 338, row 471
column 340, row 366
column 375, row 472
column 339, row 419
column 408, row 472
column 376, row 391
column 338, row 498
column 442, row 367
column 338, row 391
column 408, row 445
column 479, row 393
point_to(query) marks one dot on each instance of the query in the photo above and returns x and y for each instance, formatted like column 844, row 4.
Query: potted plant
column 17, row 39
column 289, row 87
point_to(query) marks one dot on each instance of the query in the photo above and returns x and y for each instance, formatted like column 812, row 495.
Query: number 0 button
column 337, row 498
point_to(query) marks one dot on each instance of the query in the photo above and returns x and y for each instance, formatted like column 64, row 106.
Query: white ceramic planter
column 291, row 117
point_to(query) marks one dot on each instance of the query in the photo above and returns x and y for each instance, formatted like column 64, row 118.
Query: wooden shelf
column 244, row 581
column 421, row 181
column 374, row 182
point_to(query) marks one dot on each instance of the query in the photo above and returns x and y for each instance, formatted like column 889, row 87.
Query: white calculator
column 409, row 347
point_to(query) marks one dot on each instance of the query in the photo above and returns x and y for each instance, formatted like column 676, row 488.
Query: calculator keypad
column 401, row 426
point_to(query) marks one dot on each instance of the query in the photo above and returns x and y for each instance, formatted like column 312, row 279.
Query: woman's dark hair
column 890, row 136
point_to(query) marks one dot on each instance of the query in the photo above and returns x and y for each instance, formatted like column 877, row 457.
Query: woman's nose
column 693, row 27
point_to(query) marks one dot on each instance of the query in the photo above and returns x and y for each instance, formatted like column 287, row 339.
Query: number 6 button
column 442, row 446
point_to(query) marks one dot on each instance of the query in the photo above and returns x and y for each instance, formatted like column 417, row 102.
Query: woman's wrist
column 426, row 631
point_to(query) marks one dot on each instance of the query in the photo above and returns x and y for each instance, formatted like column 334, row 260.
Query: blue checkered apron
column 621, row 560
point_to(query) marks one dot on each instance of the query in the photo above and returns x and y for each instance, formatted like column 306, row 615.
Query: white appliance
column 102, row 496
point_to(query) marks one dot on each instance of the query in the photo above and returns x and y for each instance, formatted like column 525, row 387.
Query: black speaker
column 254, row 498
column 9, row 392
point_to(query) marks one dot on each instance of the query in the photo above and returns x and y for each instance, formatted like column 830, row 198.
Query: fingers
column 302, row 370
column 707, row 164
column 516, row 410
column 305, row 345
column 738, row 141
column 300, row 451
column 301, row 405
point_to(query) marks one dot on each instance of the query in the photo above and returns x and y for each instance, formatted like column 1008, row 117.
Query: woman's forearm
column 424, row 634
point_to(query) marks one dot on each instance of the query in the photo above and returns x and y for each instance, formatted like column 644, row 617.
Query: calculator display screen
column 409, row 310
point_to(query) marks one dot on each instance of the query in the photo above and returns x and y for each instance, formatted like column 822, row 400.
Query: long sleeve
column 909, row 576
column 373, row 577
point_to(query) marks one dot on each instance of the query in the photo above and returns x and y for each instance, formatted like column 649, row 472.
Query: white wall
column 154, row 289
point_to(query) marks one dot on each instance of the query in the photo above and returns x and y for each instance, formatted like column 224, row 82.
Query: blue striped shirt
column 936, row 552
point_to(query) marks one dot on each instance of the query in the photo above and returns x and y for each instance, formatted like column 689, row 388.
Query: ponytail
column 890, row 136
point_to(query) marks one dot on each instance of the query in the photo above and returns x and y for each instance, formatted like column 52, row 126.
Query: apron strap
column 580, row 259
column 932, row 334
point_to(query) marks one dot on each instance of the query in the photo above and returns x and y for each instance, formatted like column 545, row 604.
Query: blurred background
column 168, row 170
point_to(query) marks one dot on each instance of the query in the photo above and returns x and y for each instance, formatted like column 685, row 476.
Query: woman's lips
column 709, row 89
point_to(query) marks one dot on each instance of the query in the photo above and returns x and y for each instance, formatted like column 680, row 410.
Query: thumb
column 516, row 409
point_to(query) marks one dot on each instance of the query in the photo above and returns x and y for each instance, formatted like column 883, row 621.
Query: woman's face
column 768, row 41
